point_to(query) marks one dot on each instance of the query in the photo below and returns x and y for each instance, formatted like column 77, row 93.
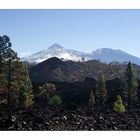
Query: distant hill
column 104, row 55
column 54, row 69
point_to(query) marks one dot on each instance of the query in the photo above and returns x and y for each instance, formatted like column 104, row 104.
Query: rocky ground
column 62, row 119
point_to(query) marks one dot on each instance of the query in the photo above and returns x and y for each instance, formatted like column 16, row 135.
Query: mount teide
column 106, row 55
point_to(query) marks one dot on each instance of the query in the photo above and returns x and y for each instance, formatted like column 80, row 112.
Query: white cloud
column 24, row 54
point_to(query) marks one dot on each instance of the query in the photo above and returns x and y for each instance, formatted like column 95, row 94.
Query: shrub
column 47, row 90
column 118, row 106
column 55, row 101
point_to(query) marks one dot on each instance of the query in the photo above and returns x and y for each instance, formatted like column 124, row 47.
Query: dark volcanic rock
column 77, row 119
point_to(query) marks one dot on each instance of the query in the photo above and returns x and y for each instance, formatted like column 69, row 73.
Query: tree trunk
column 9, row 90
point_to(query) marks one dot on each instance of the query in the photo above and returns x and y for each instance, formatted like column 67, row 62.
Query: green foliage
column 55, row 101
column 131, row 83
column 46, row 91
column 130, row 80
column 5, row 45
column 118, row 106
column 91, row 100
column 3, row 78
column 25, row 94
column 21, row 86
column 101, row 91
column 7, row 57
column 14, row 76
column 101, row 85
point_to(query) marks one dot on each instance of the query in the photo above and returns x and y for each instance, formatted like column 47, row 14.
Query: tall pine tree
column 4, row 47
column 101, row 91
column 131, row 84
column 25, row 94
column 3, row 78
column 6, row 57
column 21, row 86
column 15, row 75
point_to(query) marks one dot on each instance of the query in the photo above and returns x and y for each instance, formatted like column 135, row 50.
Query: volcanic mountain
column 55, row 69
column 106, row 55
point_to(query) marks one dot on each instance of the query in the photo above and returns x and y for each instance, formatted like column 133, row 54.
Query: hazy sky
column 84, row 30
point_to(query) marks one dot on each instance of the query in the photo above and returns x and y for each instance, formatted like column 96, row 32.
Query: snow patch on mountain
column 106, row 55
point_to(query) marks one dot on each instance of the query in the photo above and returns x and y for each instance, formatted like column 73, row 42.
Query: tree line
column 130, row 91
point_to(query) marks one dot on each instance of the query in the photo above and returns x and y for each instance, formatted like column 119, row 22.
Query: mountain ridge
column 55, row 69
column 106, row 55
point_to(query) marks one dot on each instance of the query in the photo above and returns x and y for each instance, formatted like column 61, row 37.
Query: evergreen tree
column 25, row 94
column 19, row 76
column 131, row 83
column 21, row 86
column 55, row 101
column 14, row 74
column 46, row 91
column 4, row 47
column 101, row 91
column 118, row 106
column 3, row 78
column 7, row 56
column 91, row 100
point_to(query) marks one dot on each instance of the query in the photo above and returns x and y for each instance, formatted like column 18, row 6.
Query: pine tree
column 16, row 79
column 7, row 56
column 91, row 100
column 4, row 46
column 101, row 91
column 3, row 78
column 21, row 86
column 118, row 106
column 131, row 84
column 25, row 94
column 46, row 91
column 16, row 76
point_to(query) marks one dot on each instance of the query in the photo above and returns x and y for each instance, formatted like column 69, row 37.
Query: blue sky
column 84, row 30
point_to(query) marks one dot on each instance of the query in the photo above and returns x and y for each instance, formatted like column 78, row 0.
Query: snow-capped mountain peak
column 55, row 47
column 103, row 54
column 55, row 51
